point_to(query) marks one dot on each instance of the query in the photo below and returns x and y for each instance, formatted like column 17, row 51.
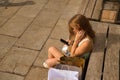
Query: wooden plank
column 38, row 32
column 44, row 52
column 83, row 6
column 61, row 30
column 90, row 8
column 111, row 6
column 18, row 60
column 2, row 6
column 49, row 16
column 34, row 38
column 109, row 16
column 37, row 73
column 6, row 14
column 8, row 76
column 71, row 9
column 94, row 70
column 61, row 27
column 110, row 12
column 57, row 5
column 97, row 11
column 19, row 22
column 111, row 68
column 5, row 44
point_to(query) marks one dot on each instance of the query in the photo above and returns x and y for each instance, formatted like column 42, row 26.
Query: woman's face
column 74, row 27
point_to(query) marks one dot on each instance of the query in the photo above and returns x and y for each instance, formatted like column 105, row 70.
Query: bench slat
column 90, row 8
column 94, row 69
column 111, row 68
column 97, row 10
column 83, row 6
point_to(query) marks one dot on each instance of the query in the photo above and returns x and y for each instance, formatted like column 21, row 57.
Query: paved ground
column 27, row 29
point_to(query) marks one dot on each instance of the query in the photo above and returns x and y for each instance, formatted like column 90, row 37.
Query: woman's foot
column 45, row 65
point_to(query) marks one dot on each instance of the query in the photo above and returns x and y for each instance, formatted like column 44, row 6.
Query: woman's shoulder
column 86, row 39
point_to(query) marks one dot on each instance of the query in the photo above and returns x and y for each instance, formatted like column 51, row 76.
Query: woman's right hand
column 80, row 34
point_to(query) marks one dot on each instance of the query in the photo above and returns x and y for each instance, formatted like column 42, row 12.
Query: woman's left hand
column 70, row 42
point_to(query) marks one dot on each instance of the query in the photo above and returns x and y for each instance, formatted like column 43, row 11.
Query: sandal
column 45, row 65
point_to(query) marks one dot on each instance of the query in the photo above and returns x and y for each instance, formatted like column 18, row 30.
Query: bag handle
column 62, row 66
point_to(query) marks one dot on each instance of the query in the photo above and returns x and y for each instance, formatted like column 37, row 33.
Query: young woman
column 81, row 40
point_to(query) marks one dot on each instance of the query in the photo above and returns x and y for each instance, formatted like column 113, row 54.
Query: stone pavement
column 29, row 27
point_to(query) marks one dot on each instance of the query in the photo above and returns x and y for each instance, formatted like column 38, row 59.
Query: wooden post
column 110, row 12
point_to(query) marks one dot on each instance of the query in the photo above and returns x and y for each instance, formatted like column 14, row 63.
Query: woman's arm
column 83, row 48
column 78, row 38
column 74, row 46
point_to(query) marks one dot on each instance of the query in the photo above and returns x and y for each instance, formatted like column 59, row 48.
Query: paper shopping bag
column 69, row 73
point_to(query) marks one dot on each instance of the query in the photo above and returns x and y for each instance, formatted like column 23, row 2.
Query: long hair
column 84, row 24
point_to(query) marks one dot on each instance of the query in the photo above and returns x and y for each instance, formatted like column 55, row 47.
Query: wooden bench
column 103, row 63
column 6, row 2
column 91, row 8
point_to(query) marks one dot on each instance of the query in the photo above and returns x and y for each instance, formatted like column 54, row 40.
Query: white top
column 85, row 39
column 65, row 47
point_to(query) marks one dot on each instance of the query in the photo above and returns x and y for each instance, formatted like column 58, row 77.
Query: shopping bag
column 65, row 73
column 74, row 61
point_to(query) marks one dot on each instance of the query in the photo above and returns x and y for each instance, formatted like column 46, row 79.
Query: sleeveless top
column 85, row 55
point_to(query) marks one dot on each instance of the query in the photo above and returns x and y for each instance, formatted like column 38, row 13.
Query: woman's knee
column 51, row 49
column 51, row 62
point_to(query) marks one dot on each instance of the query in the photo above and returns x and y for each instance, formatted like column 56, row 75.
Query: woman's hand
column 70, row 42
column 79, row 35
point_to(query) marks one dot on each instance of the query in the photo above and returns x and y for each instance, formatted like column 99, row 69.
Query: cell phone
column 64, row 41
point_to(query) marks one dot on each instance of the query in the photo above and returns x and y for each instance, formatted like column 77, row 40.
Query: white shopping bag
column 62, row 74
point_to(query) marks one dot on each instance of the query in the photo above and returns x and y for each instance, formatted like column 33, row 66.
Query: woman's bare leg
column 53, row 52
column 53, row 56
column 51, row 62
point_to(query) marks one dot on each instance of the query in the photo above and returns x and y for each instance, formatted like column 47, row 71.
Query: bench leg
column 6, row 4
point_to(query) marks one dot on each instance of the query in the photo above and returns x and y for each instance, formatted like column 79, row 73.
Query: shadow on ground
column 6, row 3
